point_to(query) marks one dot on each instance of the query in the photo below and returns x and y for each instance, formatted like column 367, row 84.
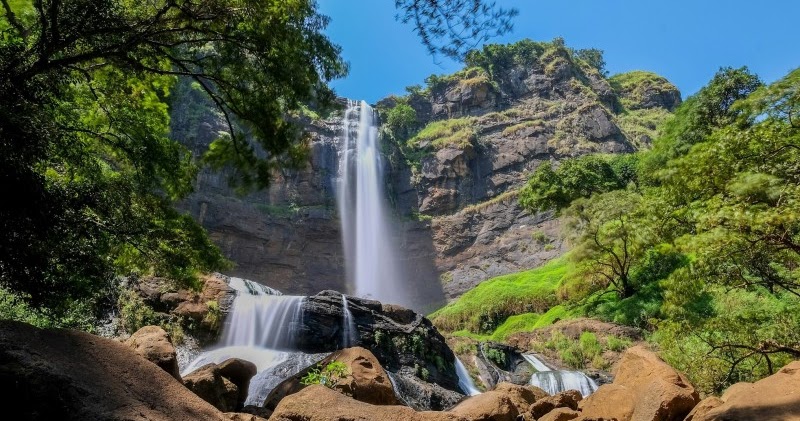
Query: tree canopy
column 87, row 165
column 709, row 230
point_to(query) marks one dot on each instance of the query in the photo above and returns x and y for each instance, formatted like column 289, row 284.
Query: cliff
column 457, row 159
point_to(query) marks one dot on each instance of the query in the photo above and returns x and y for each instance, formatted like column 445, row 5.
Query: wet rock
column 644, row 388
column 154, row 344
column 239, row 372
column 415, row 348
column 776, row 397
column 207, row 382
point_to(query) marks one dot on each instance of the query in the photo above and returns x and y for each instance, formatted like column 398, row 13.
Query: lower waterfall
column 555, row 381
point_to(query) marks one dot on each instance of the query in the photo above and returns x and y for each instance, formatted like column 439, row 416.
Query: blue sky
column 686, row 41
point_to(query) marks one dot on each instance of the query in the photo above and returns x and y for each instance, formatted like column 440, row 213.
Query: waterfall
column 464, row 380
column 349, row 330
column 261, row 329
column 555, row 381
column 372, row 268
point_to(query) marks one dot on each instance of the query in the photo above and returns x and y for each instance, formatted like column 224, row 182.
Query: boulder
column 238, row 416
column 207, row 382
column 560, row 414
column 318, row 403
column 154, row 344
column 59, row 374
column 645, row 388
column 567, row 399
column 366, row 380
column 239, row 372
column 776, row 397
column 505, row 403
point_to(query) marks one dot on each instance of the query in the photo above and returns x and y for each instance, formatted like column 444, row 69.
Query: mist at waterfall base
column 261, row 329
column 372, row 265
column 555, row 381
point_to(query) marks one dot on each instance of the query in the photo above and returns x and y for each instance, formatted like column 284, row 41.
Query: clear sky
column 683, row 40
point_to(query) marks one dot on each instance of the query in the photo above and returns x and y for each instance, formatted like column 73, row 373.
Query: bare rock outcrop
column 59, row 374
column 505, row 403
column 366, row 381
column 223, row 385
column 154, row 344
column 318, row 403
column 645, row 388
column 568, row 399
column 776, row 397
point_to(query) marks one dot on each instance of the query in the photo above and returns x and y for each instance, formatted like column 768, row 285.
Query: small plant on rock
column 328, row 376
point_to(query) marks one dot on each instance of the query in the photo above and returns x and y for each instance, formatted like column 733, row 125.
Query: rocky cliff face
column 455, row 199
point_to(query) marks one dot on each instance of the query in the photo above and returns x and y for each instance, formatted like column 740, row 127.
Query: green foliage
column 617, row 344
column 632, row 87
column 488, row 305
column 594, row 58
column 85, row 130
column 134, row 313
column 709, row 109
column 643, row 125
column 496, row 356
column 328, row 376
column 457, row 132
column 574, row 178
column 401, row 120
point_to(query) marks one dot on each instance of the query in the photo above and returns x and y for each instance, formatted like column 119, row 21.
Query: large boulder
column 62, row 374
column 568, row 399
column 207, row 382
column 776, row 397
column 238, row 372
column 404, row 342
column 154, row 344
column 505, row 403
column 318, row 403
column 366, row 380
column 645, row 388
column 560, row 414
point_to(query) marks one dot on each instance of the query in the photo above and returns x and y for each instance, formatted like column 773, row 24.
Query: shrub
column 328, row 376
column 617, row 344
column 498, row 357
column 589, row 344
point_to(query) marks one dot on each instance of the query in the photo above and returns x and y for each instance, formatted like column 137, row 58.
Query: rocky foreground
column 63, row 374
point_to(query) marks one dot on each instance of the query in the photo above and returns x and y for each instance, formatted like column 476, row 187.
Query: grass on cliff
column 457, row 132
column 631, row 86
column 488, row 307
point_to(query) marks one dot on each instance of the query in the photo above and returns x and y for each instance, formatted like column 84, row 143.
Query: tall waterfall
column 259, row 329
column 555, row 381
column 372, row 267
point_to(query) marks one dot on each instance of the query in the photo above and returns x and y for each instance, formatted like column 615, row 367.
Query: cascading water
column 464, row 380
column 555, row 381
column 259, row 329
column 349, row 331
column 372, row 267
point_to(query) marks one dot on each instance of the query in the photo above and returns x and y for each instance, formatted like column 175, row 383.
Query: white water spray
column 260, row 328
column 349, row 330
column 372, row 267
column 555, row 381
column 464, row 380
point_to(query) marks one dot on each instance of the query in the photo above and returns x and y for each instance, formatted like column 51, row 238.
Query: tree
column 576, row 178
column 594, row 58
column 608, row 237
column 86, row 163
column 453, row 27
